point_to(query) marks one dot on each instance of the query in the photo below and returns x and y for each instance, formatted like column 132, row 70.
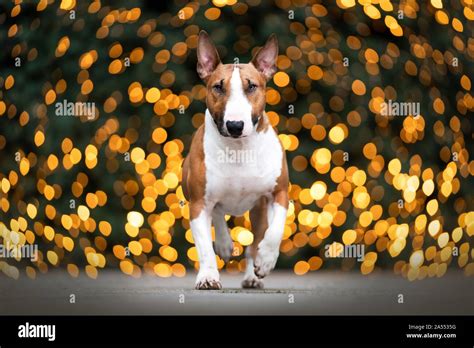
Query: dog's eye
column 219, row 88
column 251, row 88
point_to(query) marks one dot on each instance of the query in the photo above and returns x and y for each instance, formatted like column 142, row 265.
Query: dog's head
column 236, row 92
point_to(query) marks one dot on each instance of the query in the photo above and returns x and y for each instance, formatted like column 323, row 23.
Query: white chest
column 240, row 171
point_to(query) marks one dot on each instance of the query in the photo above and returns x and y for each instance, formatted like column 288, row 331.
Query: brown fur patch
column 194, row 175
column 258, row 214
column 216, row 101
column 280, row 193
column 259, row 220
column 249, row 74
column 263, row 123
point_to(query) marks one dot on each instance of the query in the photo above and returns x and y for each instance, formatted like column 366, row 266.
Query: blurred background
column 104, row 190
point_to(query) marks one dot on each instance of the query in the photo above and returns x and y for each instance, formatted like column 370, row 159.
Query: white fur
column 234, row 188
column 201, row 229
column 250, row 279
column 238, row 107
column 269, row 247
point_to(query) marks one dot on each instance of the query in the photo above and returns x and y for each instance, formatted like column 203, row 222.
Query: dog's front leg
column 208, row 275
column 269, row 248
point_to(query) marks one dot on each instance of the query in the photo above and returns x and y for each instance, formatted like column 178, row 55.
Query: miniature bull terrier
column 236, row 164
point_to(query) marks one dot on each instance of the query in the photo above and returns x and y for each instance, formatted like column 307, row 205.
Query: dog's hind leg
column 259, row 220
column 223, row 244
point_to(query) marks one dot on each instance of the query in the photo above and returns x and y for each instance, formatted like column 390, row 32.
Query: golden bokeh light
column 106, row 191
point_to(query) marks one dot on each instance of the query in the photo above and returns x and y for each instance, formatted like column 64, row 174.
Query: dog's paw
column 208, row 280
column 266, row 259
column 224, row 247
column 252, row 282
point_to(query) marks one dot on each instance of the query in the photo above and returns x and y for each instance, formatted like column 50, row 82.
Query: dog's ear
column 265, row 59
column 207, row 56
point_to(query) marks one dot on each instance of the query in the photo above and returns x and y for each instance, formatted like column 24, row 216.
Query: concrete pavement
column 318, row 293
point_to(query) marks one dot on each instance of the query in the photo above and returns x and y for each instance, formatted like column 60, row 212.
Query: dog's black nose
column 235, row 127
